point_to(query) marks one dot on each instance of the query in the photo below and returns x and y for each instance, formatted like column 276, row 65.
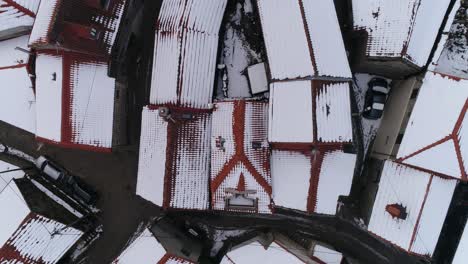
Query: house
column 72, row 41
column 307, row 113
column 410, row 207
column 146, row 249
column 441, row 149
column 309, row 120
column 395, row 39
column 276, row 251
column 16, row 17
column 74, row 101
column 311, row 180
column 185, row 53
column 174, row 163
column 88, row 27
column 36, row 228
column 173, row 168
column 308, row 46
column 18, row 106
column 240, row 165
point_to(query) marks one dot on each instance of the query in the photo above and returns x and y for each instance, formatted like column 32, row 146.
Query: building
column 37, row 227
column 16, row 17
column 174, row 163
column 146, row 249
column 309, row 113
column 312, row 180
column 74, row 100
column 308, row 46
column 173, row 170
column 87, row 27
column 161, row 242
column 185, row 53
column 240, row 157
column 309, row 120
column 279, row 251
column 18, row 107
column 410, row 208
column 395, row 39
column 440, row 149
column 72, row 41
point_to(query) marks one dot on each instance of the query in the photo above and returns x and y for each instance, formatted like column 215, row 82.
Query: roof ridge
column 20, row 8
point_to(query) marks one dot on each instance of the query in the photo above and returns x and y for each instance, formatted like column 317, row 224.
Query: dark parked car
column 70, row 184
column 376, row 96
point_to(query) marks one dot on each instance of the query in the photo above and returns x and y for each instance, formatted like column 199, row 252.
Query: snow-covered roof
column 240, row 153
column 426, row 198
column 326, row 255
column 26, row 237
column 310, row 44
column 173, row 168
column 18, row 106
column 185, row 52
column 402, row 28
column 44, row 21
column 255, row 252
column 75, row 101
column 76, row 35
column 461, row 255
column 258, row 78
column 311, row 181
column 310, row 112
column 146, row 249
column 436, row 136
column 6, row 177
column 17, row 13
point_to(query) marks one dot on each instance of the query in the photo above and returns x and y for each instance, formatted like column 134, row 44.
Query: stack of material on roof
column 75, row 93
column 16, row 17
column 26, row 237
column 185, row 52
column 422, row 200
column 173, row 168
column 308, row 45
column 146, row 249
column 240, row 167
column 400, row 29
column 440, row 148
column 311, row 181
column 18, row 107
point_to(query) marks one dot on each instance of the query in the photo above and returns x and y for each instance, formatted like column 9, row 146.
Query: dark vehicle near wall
column 72, row 185
column 376, row 96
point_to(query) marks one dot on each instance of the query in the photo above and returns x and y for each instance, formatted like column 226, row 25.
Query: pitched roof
column 240, row 152
column 405, row 28
column 27, row 237
column 255, row 252
column 310, row 112
column 17, row 13
column 75, row 100
column 146, row 249
column 311, row 181
column 426, row 199
column 63, row 15
column 440, row 148
column 310, row 44
column 173, row 168
column 185, row 52
column 18, row 108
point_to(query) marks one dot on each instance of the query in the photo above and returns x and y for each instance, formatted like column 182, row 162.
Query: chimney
column 396, row 211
